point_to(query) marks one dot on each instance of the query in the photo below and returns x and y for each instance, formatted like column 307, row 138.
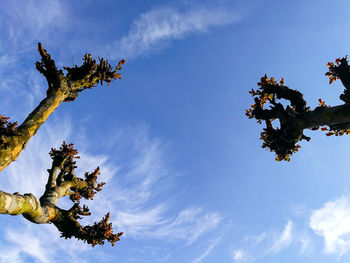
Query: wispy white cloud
column 257, row 239
column 8, row 254
column 22, row 26
column 133, row 195
column 332, row 222
column 283, row 240
column 153, row 28
column 23, row 87
column 207, row 251
column 40, row 243
column 137, row 203
column 240, row 255
column 189, row 224
column 135, row 185
column 264, row 244
column 306, row 244
column 28, row 245
column 25, row 22
column 299, row 210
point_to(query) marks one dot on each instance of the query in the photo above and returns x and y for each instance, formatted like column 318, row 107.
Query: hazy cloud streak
column 264, row 244
column 131, row 195
column 154, row 27
column 211, row 246
column 283, row 240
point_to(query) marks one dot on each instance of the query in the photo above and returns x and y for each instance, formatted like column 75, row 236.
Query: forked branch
column 63, row 182
column 296, row 117
column 62, row 87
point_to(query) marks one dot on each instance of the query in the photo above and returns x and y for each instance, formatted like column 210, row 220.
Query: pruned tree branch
column 296, row 117
column 61, row 88
column 63, row 182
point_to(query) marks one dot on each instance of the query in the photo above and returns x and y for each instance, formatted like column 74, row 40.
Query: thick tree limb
column 61, row 88
column 63, row 182
column 27, row 205
column 297, row 117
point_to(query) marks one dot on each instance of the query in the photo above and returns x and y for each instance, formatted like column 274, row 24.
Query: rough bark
column 27, row 205
column 61, row 88
column 63, row 182
column 61, row 179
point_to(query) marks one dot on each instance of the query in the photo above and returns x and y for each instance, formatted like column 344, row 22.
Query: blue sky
column 187, row 179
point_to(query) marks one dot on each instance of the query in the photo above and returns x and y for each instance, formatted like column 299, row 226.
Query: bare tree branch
column 61, row 88
column 63, row 182
column 296, row 117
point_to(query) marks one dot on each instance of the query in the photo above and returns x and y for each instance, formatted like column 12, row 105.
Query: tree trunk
column 61, row 88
